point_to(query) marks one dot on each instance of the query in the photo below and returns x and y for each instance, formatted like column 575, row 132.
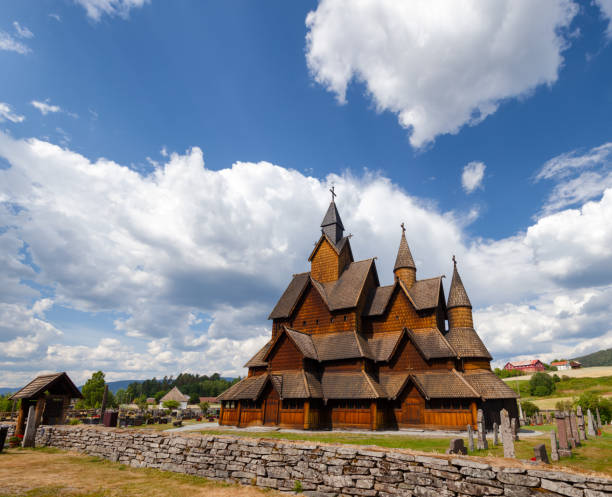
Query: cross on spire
column 454, row 260
column 403, row 228
column 332, row 190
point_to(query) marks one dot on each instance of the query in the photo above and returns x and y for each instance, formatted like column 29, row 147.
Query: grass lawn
column 49, row 472
column 594, row 455
column 167, row 426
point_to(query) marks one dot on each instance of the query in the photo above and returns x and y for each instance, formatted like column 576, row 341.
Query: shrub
column 556, row 378
column 529, row 408
column 592, row 401
column 74, row 421
column 171, row 404
column 563, row 405
column 541, row 384
column 297, row 487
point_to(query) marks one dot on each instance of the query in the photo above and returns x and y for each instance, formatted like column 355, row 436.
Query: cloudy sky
column 164, row 168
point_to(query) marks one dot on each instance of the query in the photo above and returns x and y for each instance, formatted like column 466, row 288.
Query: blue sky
column 165, row 166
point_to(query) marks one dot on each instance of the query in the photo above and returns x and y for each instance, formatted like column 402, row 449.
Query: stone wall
column 330, row 469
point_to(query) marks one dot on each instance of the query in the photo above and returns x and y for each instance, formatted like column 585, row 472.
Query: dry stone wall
column 321, row 469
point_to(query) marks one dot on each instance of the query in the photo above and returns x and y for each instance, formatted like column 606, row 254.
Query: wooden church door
column 272, row 406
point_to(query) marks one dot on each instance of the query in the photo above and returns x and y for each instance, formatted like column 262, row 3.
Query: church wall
column 476, row 364
column 400, row 314
column 406, row 357
column 344, row 365
column 312, row 316
column 257, row 371
column 324, row 266
column 285, row 356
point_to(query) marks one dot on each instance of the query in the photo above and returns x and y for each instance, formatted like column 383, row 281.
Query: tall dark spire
column 332, row 224
column 457, row 296
column 404, row 256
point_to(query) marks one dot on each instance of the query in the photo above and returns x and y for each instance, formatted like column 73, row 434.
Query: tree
column 121, row 396
column 6, row 405
column 592, row 401
column 171, row 404
column 540, row 384
column 529, row 408
column 194, row 398
column 204, row 406
column 93, row 391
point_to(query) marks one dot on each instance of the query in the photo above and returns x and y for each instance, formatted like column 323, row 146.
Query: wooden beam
column 306, row 415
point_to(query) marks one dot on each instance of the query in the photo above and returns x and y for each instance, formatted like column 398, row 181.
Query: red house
column 532, row 366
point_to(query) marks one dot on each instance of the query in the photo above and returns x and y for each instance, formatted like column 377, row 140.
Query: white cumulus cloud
column 437, row 64
column 45, row 107
column 7, row 114
column 472, row 176
column 606, row 11
column 22, row 31
column 97, row 8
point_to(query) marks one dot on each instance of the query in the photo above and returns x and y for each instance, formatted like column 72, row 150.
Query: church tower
column 459, row 307
column 404, row 268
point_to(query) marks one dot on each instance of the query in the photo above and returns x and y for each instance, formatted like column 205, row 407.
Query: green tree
column 171, row 404
column 121, row 396
column 529, row 408
column 5, row 403
column 93, row 391
column 204, row 406
column 540, row 384
column 194, row 398
column 592, row 401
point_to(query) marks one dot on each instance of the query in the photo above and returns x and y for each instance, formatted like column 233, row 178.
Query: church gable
column 328, row 260
column 284, row 355
column 313, row 316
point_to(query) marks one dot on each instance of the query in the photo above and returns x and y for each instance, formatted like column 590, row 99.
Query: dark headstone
column 456, row 446
column 540, row 453
column 3, row 434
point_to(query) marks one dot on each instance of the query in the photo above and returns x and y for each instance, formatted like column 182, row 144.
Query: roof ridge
column 359, row 345
column 306, row 386
column 449, row 345
column 369, row 380
column 460, row 376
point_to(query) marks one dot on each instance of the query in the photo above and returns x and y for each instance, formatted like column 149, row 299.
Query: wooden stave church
column 346, row 352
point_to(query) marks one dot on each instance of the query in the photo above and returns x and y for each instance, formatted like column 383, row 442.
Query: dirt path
column 47, row 473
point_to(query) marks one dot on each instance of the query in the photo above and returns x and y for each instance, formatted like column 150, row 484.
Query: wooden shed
column 51, row 395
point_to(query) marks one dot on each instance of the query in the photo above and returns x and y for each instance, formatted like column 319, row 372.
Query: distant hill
column 113, row 386
column 600, row 358
column 4, row 390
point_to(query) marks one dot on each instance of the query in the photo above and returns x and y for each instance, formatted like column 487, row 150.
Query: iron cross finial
column 332, row 190
column 454, row 260
column 403, row 228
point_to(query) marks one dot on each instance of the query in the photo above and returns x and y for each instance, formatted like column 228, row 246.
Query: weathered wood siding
column 407, row 275
column 293, row 418
column 406, row 357
column 325, row 265
column 285, row 355
column 460, row 317
column 476, row 364
column 400, row 314
column 229, row 417
column 312, row 316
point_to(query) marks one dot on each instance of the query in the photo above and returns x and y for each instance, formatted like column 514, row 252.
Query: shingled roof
column 404, row 256
column 176, row 395
column 378, row 300
column 457, row 296
column 47, row 382
column 425, row 294
column 393, row 383
column 444, row 384
column 467, row 343
column 489, row 385
column 351, row 385
column 298, row 384
column 344, row 293
column 258, row 359
column 332, row 224
column 383, row 345
column 431, row 343
column 285, row 305
column 248, row 389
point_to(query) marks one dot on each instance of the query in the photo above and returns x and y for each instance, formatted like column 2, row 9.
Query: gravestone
column 568, row 431
column 30, row 430
column 514, row 428
column 481, row 439
column 598, row 418
column 540, row 454
column 507, row 435
column 581, row 430
column 574, row 426
column 470, row 432
column 521, row 414
column 561, row 430
column 456, row 446
column 495, row 434
column 591, row 426
column 554, row 451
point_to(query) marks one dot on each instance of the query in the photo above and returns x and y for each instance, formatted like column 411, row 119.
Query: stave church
column 346, row 352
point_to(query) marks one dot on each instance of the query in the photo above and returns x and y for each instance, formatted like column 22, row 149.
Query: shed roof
column 42, row 383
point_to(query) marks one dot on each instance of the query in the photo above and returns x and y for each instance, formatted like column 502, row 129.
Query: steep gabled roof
column 285, row 305
column 258, row 359
column 467, row 343
column 45, row 382
column 425, row 294
column 340, row 345
column 303, row 342
column 378, row 300
column 393, row 383
column 457, row 296
column 175, row 394
column 489, row 385
column 443, row 384
column 431, row 343
column 344, row 293
column 337, row 246
column 383, row 345
column 404, row 256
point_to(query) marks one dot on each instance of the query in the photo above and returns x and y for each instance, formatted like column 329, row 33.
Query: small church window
column 317, row 322
column 345, row 317
column 331, row 320
column 303, row 323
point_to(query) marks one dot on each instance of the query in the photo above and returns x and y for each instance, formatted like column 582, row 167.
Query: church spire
column 458, row 305
column 332, row 224
column 404, row 268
